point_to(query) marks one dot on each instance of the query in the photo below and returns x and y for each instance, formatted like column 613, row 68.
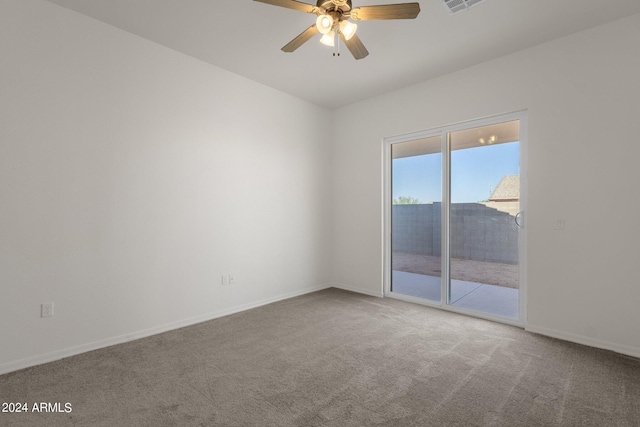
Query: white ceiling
column 245, row 37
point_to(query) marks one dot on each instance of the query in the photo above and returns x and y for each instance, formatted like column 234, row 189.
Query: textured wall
column 581, row 96
column 133, row 177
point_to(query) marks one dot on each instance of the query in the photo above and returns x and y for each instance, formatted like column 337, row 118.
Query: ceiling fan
column 333, row 19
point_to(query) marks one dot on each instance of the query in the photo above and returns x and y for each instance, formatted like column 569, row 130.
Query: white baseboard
column 95, row 345
column 83, row 348
column 358, row 290
column 580, row 339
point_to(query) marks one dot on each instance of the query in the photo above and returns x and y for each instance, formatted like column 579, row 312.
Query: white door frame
column 443, row 131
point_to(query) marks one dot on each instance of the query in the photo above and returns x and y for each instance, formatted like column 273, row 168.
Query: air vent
column 455, row 6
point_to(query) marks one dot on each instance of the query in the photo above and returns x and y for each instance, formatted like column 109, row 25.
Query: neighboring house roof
column 508, row 189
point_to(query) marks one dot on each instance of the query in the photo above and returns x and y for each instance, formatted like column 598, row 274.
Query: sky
column 475, row 172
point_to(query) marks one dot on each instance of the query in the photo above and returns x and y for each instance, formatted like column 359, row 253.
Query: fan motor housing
column 335, row 5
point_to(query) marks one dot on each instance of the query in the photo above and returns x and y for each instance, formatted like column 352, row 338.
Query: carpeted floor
column 335, row 358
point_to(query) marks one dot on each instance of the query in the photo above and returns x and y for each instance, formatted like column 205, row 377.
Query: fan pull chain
column 336, row 45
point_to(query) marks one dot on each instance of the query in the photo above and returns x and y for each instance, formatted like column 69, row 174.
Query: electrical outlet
column 46, row 309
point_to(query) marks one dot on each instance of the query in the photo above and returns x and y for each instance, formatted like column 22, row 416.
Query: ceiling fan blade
column 302, row 38
column 355, row 46
column 386, row 11
column 292, row 4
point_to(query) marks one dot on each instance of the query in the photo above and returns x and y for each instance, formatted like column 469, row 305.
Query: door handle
column 516, row 219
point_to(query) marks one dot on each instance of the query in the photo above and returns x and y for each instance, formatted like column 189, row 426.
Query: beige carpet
column 334, row 358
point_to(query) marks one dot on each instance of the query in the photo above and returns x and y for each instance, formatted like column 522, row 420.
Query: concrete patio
column 498, row 300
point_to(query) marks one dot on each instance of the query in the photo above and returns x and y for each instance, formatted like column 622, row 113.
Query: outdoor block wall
column 479, row 231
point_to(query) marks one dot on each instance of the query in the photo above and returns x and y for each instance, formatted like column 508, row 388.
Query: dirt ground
column 491, row 273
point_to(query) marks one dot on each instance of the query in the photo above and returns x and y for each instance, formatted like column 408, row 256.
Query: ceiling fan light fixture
column 332, row 17
column 348, row 29
column 329, row 39
column 324, row 23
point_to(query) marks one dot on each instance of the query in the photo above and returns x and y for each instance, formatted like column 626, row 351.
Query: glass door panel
column 416, row 224
column 453, row 238
column 483, row 233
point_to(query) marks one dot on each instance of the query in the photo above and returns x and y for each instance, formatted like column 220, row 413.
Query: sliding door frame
column 444, row 132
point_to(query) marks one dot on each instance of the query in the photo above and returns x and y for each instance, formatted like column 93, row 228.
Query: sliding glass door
column 454, row 218
column 416, row 257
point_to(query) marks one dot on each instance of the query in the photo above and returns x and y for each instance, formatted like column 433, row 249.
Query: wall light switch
column 225, row 280
column 559, row 224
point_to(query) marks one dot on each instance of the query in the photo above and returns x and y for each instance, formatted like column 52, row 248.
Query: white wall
column 132, row 177
column 583, row 100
